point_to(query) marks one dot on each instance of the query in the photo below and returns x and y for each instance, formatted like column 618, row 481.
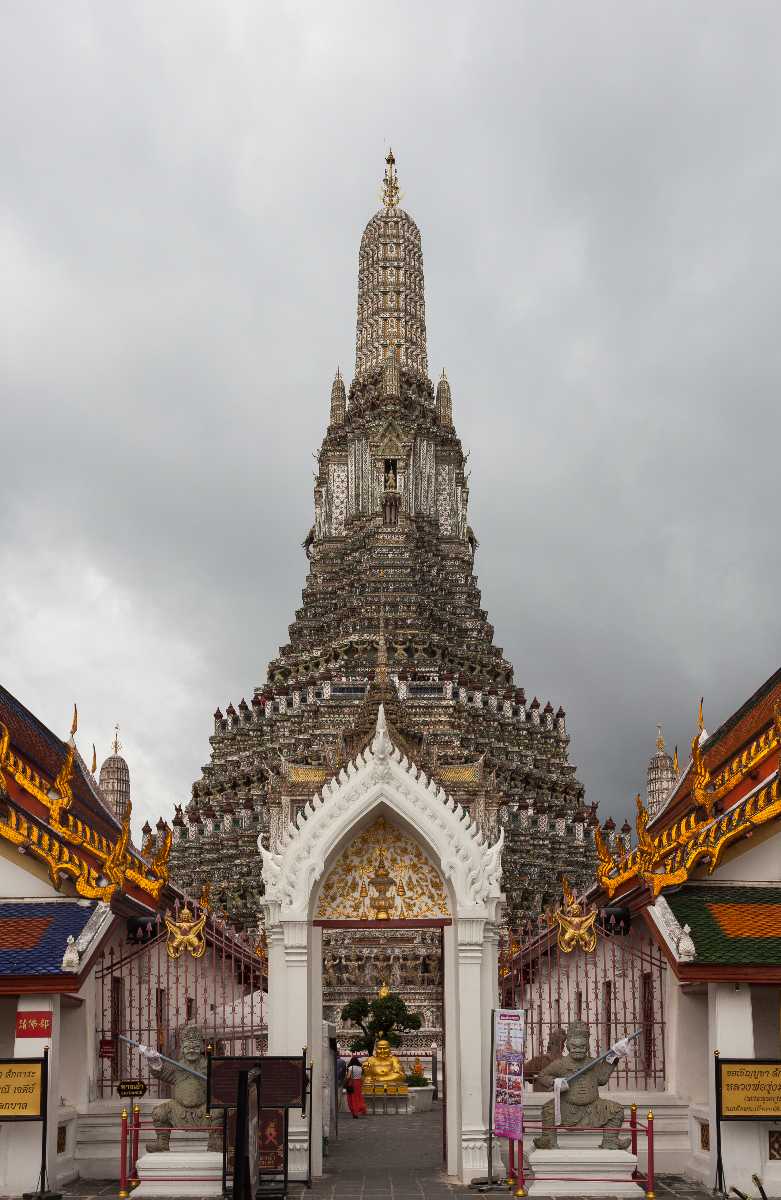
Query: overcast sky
column 184, row 187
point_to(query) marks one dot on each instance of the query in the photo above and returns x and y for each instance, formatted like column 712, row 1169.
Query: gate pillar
column 289, row 982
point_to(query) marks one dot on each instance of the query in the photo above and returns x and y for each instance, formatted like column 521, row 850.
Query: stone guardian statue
column 187, row 1105
column 581, row 1106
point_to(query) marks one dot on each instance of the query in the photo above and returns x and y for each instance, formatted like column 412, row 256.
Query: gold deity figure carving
column 390, row 479
column 576, row 925
column 383, row 1067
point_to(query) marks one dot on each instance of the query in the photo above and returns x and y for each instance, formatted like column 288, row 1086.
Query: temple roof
column 731, row 924
column 36, row 743
column 34, row 934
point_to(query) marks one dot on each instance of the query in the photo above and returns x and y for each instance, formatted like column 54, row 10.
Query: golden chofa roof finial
column 390, row 184
column 700, row 717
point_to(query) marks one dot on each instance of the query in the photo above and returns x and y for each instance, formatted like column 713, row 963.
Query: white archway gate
column 382, row 780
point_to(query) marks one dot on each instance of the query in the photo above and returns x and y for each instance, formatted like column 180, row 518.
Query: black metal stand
column 488, row 1183
column 309, row 1129
column 491, row 1103
column 719, row 1164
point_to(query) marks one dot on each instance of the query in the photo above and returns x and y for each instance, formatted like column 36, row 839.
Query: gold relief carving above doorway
column 383, row 875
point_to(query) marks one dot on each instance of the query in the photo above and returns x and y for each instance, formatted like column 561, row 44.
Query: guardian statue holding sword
column 575, row 1079
column 187, row 1105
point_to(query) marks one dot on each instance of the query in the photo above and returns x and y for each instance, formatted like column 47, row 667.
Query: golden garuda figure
column 186, row 934
column 576, row 926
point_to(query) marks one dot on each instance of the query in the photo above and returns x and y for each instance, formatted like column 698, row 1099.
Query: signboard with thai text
column 34, row 1024
column 21, row 1089
column 748, row 1089
column 127, row 1088
column 508, row 1042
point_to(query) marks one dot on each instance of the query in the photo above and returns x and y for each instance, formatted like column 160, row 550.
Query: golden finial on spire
column 390, row 184
column 659, row 739
column 116, row 745
column 94, row 759
column 700, row 718
column 75, row 721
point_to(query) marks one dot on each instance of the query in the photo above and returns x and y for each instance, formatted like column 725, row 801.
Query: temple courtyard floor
column 392, row 1158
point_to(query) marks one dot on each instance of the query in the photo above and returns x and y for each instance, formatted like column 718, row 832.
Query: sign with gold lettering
column 34, row 1024
column 748, row 1089
column 21, row 1089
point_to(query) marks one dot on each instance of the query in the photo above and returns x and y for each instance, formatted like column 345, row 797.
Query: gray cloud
column 183, row 191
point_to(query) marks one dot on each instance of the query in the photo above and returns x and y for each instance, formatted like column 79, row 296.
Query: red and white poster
column 34, row 1024
column 509, row 1040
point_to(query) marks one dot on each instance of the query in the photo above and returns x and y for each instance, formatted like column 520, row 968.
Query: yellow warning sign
column 20, row 1090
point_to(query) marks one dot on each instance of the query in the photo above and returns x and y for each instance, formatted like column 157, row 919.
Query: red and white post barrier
column 650, row 1194
column 123, row 1189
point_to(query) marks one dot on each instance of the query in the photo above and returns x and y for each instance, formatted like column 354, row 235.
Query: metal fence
column 148, row 997
column 616, row 989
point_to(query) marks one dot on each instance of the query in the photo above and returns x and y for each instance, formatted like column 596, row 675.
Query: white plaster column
column 315, row 1043
column 474, row 1154
column 24, row 1137
column 489, row 968
column 295, row 1022
column 452, row 1059
column 277, row 989
column 731, row 1032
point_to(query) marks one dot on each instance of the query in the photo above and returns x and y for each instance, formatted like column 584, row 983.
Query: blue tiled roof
column 34, row 936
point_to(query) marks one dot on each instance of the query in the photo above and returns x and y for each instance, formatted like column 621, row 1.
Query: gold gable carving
column 56, row 842
column 459, row 772
column 671, row 856
column 304, row 774
column 383, row 851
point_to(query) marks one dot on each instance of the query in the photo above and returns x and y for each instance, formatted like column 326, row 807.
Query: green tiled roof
column 737, row 924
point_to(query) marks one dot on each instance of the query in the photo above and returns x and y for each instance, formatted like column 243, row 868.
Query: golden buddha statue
column 382, row 1067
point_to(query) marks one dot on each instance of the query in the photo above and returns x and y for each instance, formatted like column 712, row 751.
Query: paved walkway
column 392, row 1158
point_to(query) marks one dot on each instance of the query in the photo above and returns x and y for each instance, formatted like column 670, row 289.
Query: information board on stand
column 509, row 1042
column 280, row 1083
column 747, row 1089
column 24, row 1086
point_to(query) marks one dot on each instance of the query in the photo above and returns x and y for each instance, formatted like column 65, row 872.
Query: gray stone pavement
column 392, row 1158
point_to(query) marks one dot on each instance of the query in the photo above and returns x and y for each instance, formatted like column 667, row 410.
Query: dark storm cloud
column 183, row 191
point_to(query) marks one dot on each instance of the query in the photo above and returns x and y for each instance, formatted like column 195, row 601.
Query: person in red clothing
column 353, row 1086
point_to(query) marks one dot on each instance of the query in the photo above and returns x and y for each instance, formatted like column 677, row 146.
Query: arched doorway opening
column 382, row 782
column 383, row 908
